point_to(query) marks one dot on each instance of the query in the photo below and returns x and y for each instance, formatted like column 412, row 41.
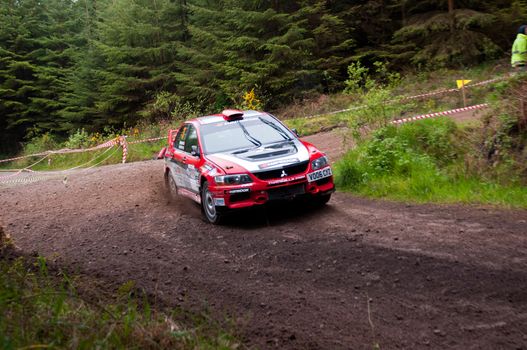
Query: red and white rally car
column 239, row 159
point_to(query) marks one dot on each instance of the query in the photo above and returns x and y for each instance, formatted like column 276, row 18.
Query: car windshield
column 249, row 133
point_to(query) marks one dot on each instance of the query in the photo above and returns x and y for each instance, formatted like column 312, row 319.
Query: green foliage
column 79, row 139
column 378, row 105
column 357, row 78
column 41, row 143
column 433, row 36
column 437, row 139
column 167, row 106
column 423, row 162
column 138, row 43
column 310, row 126
column 393, row 151
column 66, row 65
column 35, row 57
column 40, row 310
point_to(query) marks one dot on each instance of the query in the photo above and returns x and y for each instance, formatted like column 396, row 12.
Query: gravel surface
column 348, row 276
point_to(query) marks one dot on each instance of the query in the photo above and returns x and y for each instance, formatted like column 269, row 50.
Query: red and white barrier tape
column 439, row 114
column 124, row 145
column 35, row 176
column 490, row 81
column 415, row 97
column 147, row 140
column 446, row 91
column 3, row 178
column 63, row 151
column 430, row 94
column 22, row 157
column 107, row 144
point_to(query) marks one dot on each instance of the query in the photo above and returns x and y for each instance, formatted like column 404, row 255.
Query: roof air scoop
column 232, row 114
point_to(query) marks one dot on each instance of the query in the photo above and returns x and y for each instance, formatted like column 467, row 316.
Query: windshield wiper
column 249, row 137
column 277, row 128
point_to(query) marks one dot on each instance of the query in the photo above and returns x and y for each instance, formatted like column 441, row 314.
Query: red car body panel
column 191, row 169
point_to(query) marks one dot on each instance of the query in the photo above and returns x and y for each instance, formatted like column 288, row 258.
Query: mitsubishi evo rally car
column 239, row 159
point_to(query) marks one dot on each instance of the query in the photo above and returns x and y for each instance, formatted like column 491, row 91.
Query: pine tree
column 333, row 44
column 372, row 24
column 441, row 33
column 139, row 43
column 22, row 23
column 83, row 81
column 274, row 47
column 34, row 59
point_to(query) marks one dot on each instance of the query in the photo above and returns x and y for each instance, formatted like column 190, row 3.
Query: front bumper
column 261, row 192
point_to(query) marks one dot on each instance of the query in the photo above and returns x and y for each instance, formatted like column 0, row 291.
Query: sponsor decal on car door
column 184, row 165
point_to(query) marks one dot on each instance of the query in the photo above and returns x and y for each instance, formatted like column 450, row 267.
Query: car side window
column 192, row 139
column 179, row 143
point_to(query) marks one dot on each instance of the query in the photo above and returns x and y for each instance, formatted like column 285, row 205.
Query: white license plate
column 319, row 174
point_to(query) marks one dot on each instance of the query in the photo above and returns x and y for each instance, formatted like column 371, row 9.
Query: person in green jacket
column 519, row 49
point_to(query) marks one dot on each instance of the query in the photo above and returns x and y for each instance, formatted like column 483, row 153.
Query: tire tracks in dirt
column 291, row 277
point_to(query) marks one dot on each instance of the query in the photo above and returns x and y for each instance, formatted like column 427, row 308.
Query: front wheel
column 208, row 206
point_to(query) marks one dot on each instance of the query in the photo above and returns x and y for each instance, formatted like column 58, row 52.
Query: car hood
column 265, row 157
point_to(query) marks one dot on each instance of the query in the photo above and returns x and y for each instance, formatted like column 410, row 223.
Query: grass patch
column 82, row 139
column 41, row 309
column 422, row 162
column 310, row 126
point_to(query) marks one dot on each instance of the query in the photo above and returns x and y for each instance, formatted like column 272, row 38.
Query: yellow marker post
column 461, row 85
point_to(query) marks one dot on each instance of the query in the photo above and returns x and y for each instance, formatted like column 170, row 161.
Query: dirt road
column 428, row 276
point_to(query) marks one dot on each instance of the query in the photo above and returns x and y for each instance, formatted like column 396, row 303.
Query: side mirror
column 195, row 151
column 161, row 153
column 295, row 132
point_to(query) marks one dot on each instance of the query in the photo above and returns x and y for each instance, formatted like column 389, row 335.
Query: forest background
column 67, row 65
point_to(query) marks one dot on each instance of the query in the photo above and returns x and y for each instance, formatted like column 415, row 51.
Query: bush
column 41, row 143
column 168, row 106
column 436, row 138
column 424, row 162
column 78, row 139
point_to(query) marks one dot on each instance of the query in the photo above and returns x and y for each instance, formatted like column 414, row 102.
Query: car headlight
column 237, row 179
column 319, row 163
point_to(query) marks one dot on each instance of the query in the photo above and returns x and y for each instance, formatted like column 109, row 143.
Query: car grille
column 239, row 197
column 277, row 173
column 286, row 192
column 323, row 181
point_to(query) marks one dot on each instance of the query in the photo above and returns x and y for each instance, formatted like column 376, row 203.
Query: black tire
column 322, row 200
column 209, row 209
column 171, row 186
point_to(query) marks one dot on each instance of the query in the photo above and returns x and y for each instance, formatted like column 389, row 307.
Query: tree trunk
column 403, row 12
column 451, row 15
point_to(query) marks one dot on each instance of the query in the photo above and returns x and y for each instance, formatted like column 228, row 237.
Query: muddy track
column 293, row 278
